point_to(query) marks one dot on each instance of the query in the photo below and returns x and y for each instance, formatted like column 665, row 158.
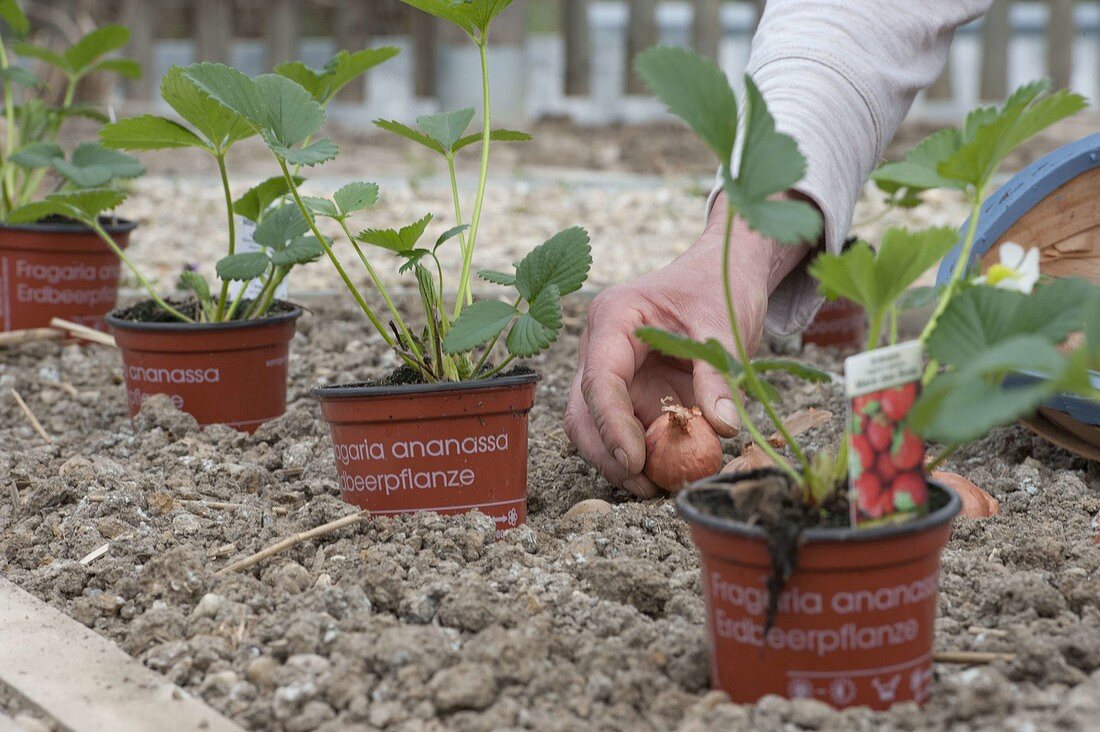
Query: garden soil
column 589, row 617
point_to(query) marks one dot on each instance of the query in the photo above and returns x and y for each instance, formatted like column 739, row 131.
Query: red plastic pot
column 856, row 620
column 448, row 448
column 58, row 270
column 220, row 373
column 838, row 324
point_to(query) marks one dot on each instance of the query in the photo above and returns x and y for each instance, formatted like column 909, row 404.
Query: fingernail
column 727, row 413
column 620, row 455
column 632, row 487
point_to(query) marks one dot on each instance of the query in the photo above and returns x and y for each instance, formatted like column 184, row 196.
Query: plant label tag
column 887, row 482
column 245, row 243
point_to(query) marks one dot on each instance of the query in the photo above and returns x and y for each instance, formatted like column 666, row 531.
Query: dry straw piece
column 83, row 332
column 294, row 540
column 30, row 417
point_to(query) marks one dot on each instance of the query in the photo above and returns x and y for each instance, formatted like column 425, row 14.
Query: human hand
column 620, row 381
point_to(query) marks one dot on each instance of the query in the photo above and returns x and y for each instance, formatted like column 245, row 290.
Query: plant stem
column 332, row 255
column 236, row 303
column 457, row 203
column 220, row 155
column 34, row 179
column 875, row 335
column 464, row 293
column 383, row 292
column 757, row 435
column 961, row 266
column 95, row 226
column 893, row 326
column 743, row 355
column 9, row 116
column 265, row 291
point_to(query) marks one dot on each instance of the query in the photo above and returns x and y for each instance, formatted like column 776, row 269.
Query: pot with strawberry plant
column 821, row 571
column 55, row 267
column 220, row 355
column 447, row 431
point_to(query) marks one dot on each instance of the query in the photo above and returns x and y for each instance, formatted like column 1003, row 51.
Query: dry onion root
column 681, row 447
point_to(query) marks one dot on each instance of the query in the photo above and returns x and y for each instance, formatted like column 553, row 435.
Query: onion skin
column 976, row 503
column 681, row 448
column 751, row 458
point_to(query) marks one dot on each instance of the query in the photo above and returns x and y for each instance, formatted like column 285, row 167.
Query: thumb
column 712, row 395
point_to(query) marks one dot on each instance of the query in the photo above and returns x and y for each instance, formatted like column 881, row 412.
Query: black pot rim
column 690, row 513
column 111, row 225
column 359, row 392
column 178, row 327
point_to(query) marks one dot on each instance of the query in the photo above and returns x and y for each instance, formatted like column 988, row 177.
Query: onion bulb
column 751, row 458
column 681, row 447
column 976, row 503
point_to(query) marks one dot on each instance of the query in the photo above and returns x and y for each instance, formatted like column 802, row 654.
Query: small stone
column 261, row 671
column 590, row 507
column 809, row 713
column 292, row 578
column 464, row 686
column 186, row 524
column 208, row 606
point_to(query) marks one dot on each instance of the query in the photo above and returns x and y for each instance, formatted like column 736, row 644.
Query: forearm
column 839, row 76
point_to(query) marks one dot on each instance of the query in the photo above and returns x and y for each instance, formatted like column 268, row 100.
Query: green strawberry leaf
column 689, row 349
column 243, row 267
column 303, row 250
column 446, row 128
column 14, row 16
column 94, row 45
column 37, row 155
column 84, row 206
column 472, row 16
column 93, row 166
column 563, row 261
column 356, row 197
column 321, row 207
column 770, row 164
column 148, row 132
column 279, row 226
column 29, row 50
column 697, row 91
column 401, row 240
column 478, row 324
column 320, row 151
column 494, row 136
column 497, row 278
column 449, row 234
column 126, row 67
column 877, row 280
column 535, row 330
column 980, row 318
column 794, row 368
column 409, row 134
column 255, row 202
column 21, row 76
column 220, row 125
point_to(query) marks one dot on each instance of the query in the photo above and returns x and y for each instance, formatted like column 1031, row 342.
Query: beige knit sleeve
column 839, row 76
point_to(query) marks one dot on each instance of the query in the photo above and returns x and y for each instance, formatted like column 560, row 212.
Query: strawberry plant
column 282, row 233
column 983, row 329
column 457, row 339
column 33, row 119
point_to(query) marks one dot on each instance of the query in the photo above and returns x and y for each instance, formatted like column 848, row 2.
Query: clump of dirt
column 584, row 619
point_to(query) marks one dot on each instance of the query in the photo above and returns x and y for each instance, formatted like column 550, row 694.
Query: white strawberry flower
column 1018, row 269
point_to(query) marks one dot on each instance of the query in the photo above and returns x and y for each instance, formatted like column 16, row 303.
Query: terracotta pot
column 60, row 270
column 856, row 620
column 839, row 324
column 220, row 373
column 448, row 448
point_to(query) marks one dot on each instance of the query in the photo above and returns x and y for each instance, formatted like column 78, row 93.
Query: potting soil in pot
column 590, row 620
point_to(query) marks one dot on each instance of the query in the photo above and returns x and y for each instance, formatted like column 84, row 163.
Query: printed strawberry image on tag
column 885, row 459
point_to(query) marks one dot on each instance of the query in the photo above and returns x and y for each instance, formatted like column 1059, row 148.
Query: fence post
column 425, row 33
column 640, row 35
column 351, row 36
column 143, row 48
column 706, row 27
column 214, row 28
column 578, row 51
column 282, row 32
column 1060, row 34
column 996, row 33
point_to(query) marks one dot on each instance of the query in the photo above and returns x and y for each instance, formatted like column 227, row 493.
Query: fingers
column 584, row 434
column 611, row 360
column 712, row 396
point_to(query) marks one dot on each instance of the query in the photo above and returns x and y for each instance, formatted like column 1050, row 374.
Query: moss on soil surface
column 421, row 623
